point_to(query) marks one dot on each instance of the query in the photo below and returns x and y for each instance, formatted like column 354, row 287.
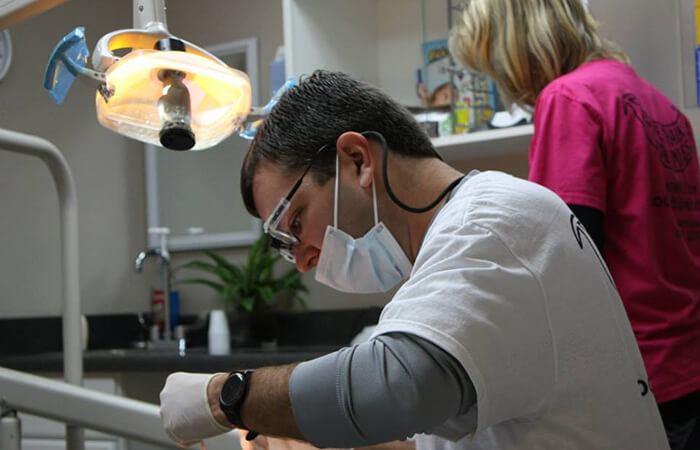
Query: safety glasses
column 284, row 240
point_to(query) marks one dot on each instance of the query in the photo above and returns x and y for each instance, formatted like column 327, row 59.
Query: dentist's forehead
column 270, row 184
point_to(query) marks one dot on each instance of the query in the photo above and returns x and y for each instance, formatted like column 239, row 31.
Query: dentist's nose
column 306, row 257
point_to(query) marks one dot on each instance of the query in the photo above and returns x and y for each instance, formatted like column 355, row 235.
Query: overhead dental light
column 154, row 87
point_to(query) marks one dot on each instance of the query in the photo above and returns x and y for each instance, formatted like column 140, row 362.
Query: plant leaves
column 227, row 293
column 247, row 304
column 217, row 270
column 199, row 265
column 218, row 287
column 251, row 286
column 226, row 270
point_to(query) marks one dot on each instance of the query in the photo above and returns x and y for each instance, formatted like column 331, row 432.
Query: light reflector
column 152, row 94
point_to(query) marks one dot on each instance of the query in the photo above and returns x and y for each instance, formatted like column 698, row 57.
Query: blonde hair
column 525, row 44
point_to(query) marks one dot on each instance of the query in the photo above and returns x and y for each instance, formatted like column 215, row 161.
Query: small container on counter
column 219, row 337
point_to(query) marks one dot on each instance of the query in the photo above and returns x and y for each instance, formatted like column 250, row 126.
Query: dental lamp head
column 164, row 91
column 174, row 106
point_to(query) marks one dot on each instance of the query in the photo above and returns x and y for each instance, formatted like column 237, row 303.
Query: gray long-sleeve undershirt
column 386, row 389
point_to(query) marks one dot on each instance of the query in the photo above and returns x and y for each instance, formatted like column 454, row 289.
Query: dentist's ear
column 356, row 148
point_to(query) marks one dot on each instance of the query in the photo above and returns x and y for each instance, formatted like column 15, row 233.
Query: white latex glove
column 184, row 408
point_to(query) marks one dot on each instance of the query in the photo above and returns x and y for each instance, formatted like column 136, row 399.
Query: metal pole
column 97, row 410
column 149, row 14
column 68, row 201
column 165, row 278
column 10, row 430
column 167, row 323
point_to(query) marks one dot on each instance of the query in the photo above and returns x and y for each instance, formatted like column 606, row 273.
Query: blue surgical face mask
column 372, row 263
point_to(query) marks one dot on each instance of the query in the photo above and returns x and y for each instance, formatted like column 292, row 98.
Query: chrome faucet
column 141, row 257
column 161, row 252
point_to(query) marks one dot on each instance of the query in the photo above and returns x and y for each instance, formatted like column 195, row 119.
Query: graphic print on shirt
column 579, row 233
column 673, row 139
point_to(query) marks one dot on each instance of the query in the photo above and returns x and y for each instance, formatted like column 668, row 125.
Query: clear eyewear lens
column 287, row 251
column 271, row 225
column 283, row 240
column 274, row 219
column 288, row 255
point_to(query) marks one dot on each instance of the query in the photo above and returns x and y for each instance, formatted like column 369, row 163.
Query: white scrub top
column 508, row 283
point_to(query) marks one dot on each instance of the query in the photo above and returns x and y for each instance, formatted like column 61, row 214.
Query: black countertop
column 193, row 360
column 35, row 343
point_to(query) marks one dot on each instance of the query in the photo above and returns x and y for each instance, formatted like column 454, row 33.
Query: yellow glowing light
column 220, row 96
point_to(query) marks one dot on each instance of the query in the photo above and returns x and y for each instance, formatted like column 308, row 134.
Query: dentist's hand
column 259, row 443
column 270, row 443
column 185, row 408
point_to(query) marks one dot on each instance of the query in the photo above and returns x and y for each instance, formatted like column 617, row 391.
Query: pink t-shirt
column 607, row 139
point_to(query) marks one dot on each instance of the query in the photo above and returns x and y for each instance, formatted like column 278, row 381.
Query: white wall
column 400, row 35
column 377, row 41
column 214, row 24
column 109, row 168
column 337, row 34
column 649, row 32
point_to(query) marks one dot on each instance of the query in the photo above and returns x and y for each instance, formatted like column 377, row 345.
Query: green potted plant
column 251, row 291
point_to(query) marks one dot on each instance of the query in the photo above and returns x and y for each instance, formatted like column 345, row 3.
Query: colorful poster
column 434, row 79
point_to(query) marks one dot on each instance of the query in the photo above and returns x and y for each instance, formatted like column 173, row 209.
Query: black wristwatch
column 231, row 398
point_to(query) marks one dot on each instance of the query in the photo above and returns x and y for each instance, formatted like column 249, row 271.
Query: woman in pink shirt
column 624, row 158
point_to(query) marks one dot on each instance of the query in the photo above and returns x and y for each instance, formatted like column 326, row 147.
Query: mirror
column 197, row 194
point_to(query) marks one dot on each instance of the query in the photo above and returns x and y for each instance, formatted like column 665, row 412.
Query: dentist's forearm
column 383, row 390
column 267, row 408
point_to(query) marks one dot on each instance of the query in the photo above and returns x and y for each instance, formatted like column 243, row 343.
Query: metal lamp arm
column 68, row 201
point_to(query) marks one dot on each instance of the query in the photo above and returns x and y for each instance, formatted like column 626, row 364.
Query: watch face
column 232, row 390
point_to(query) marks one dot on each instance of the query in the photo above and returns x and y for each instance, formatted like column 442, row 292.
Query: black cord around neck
column 385, row 176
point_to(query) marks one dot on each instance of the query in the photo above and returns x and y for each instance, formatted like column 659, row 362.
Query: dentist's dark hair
column 315, row 113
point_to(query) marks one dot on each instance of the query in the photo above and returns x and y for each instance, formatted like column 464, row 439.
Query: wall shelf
column 378, row 41
column 482, row 144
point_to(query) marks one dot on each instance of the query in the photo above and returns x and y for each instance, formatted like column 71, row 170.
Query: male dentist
column 507, row 331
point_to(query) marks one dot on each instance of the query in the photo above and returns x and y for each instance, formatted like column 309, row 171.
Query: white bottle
column 219, row 338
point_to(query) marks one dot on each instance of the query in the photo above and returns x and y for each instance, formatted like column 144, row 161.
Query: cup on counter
column 219, row 337
column 180, row 338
